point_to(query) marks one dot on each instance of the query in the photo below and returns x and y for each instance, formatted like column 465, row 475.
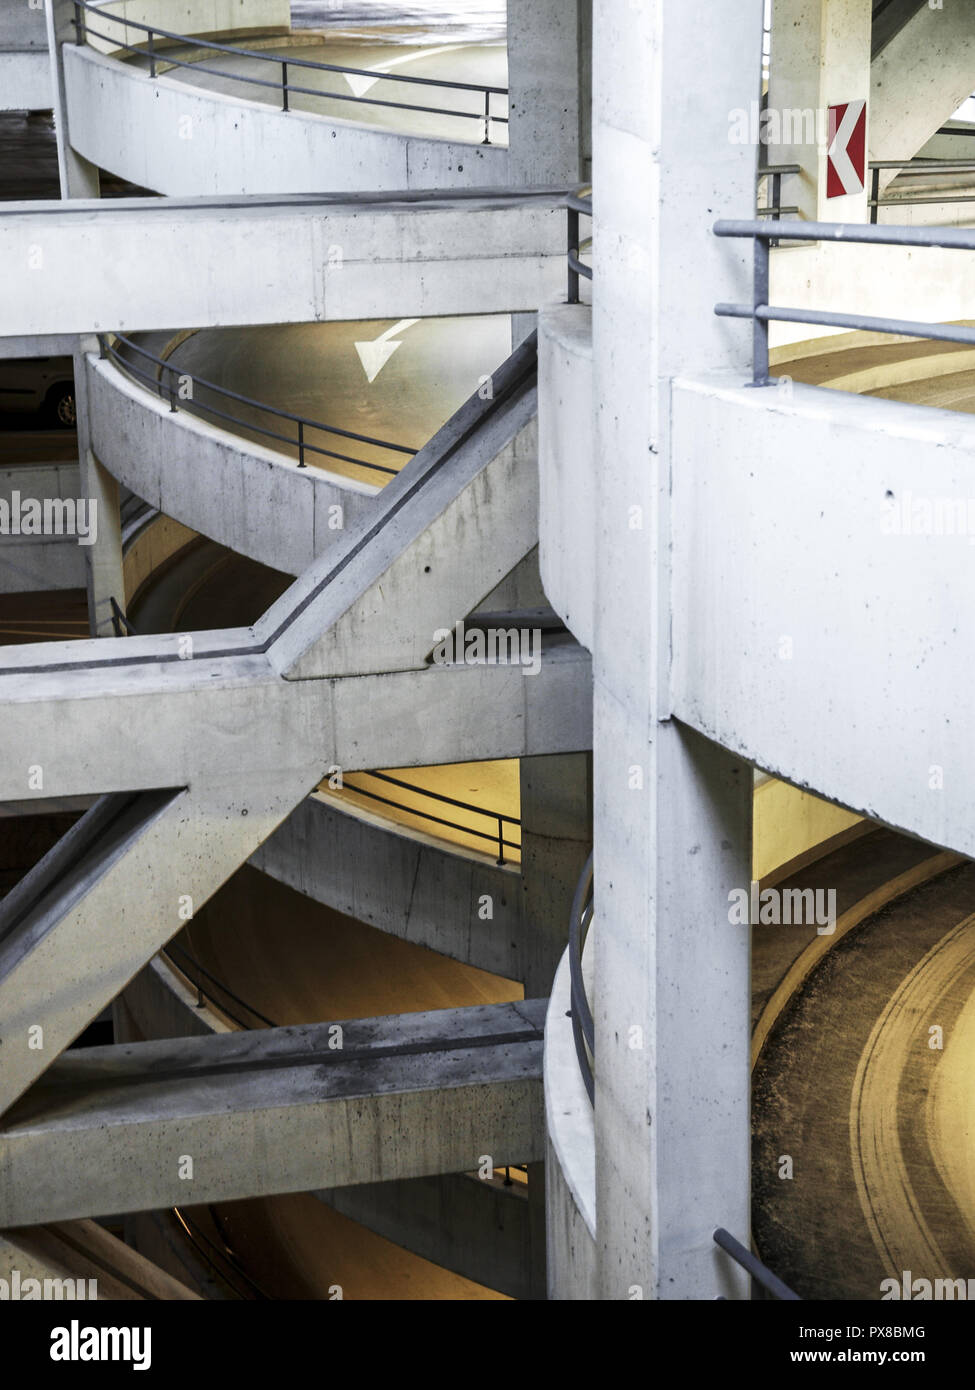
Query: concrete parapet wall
column 161, row 134
column 401, row 881
column 256, row 502
column 822, row 574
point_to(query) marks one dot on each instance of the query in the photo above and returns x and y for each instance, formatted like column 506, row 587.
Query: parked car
column 43, row 384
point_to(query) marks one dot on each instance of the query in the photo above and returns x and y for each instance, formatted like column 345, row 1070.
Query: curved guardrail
column 497, row 837
column 287, row 88
column 583, row 1027
column 166, row 381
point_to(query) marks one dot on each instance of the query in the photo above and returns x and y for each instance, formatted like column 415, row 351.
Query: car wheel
column 61, row 407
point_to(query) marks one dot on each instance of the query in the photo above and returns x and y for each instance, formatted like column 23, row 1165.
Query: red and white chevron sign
column 846, row 154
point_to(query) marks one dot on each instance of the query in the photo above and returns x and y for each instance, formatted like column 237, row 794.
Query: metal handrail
column 915, row 166
column 172, row 952
column 583, row 1026
column 203, row 1244
column 578, row 204
column 775, row 207
column 762, row 313
column 753, row 1266
column 497, row 838
column 194, row 407
column 287, row 89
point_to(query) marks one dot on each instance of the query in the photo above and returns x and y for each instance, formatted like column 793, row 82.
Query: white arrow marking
column 360, row 85
column 375, row 355
column 838, row 152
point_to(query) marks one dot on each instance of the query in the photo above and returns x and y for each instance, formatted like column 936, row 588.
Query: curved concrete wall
column 816, row 535
column 567, row 466
column 570, row 1164
column 401, row 881
column 250, row 499
column 161, row 134
column 153, row 545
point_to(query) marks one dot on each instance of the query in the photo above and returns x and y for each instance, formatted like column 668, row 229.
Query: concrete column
column 671, row 811
column 103, row 560
column 556, row 836
column 79, row 179
column 820, row 58
column 550, row 101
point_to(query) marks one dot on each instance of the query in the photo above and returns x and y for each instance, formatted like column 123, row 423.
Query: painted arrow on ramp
column 376, row 354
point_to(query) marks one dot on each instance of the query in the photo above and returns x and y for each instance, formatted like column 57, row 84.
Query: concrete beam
column 64, row 716
column 240, row 1115
column 82, row 268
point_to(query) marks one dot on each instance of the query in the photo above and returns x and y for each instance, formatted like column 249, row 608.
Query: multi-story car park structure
column 520, row 747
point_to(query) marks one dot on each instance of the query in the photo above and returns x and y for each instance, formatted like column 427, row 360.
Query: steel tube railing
column 753, row 1266
column 84, row 33
column 915, row 166
column 194, row 407
column 762, row 313
column 494, row 836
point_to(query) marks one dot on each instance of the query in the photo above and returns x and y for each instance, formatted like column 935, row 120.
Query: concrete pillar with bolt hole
column 103, row 560
column 79, row 178
column 556, row 837
column 549, row 101
column 820, row 58
column 672, row 812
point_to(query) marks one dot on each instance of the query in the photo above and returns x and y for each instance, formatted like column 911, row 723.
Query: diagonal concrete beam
column 919, row 80
column 442, row 536
column 237, row 1115
column 81, row 1260
column 124, row 881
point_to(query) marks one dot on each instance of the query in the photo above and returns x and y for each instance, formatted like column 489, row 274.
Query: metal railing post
column 875, row 196
column 760, row 376
column 79, row 22
column 284, row 86
column 487, row 117
column 776, row 199
column 500, row 840
column 301, row 444
column 152, row 55
column 573, row 245
column 172, row 392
